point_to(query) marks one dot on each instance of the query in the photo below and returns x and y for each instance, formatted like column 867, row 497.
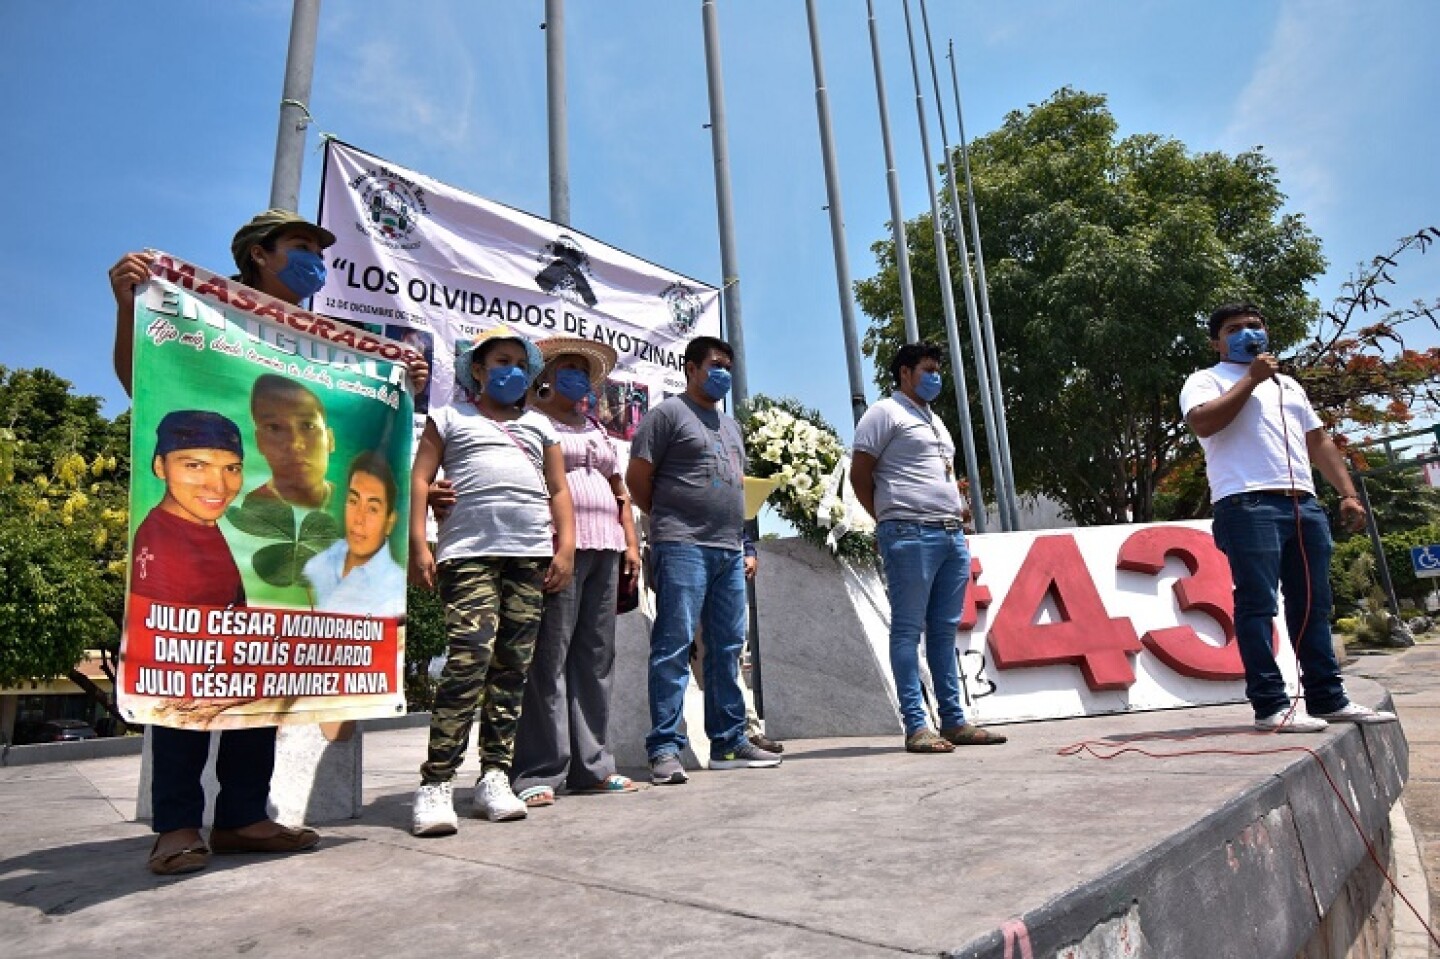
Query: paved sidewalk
column 851, row 848
column 1413, row 678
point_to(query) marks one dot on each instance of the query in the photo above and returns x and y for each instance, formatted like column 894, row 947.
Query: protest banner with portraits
column 270, row 453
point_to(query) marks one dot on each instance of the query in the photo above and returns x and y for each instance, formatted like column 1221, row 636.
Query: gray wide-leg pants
column 562, row 737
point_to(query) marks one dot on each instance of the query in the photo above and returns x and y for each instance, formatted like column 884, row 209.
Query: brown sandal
column 971, row 735
column 180, row 861
column 926, row 741
column 284, row 839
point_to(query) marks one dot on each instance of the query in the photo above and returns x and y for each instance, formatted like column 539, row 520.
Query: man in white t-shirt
column 903, row 473
column 1260, row 437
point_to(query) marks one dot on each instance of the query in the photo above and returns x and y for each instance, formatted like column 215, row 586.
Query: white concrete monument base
column 315, row 781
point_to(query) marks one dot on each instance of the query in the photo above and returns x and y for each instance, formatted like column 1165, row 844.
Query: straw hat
column 598, row 356
column 534, row 362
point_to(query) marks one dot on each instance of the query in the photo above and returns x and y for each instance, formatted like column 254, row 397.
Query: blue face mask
column 1242, row 346
column 304, row 272
column 505, row 384
column 717, row 383
column 574, row 385
column 928, row 386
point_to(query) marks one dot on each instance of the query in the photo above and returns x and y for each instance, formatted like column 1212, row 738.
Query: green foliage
column 63, row 523
column 1103, row 257
column 1357, row 367
column 1399, row 498
column 53, row 598
column 1352, row 566
column 424, row 639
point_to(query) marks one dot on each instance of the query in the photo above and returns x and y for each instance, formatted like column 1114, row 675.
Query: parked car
column 53, row 731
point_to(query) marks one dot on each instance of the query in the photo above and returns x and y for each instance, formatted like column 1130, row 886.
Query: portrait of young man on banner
column 265, row 583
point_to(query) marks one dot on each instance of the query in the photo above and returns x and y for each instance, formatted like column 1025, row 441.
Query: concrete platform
column 851, row 848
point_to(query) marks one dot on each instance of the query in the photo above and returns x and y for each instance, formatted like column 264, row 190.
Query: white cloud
column 1308, row 96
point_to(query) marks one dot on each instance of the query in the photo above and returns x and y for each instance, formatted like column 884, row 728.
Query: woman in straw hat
column 562, row 737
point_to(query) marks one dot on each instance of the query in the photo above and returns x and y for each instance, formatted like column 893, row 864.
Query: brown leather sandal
column 192, row 858
column 284, row 839
column 972, row 735
column 926, row 741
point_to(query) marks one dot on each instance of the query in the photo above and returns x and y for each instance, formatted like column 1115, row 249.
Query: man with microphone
column 1260, row 437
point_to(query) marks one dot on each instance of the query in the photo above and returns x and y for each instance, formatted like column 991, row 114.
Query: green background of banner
column 175, row 376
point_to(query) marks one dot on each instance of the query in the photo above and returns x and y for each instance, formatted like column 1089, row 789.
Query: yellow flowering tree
column 64, row 473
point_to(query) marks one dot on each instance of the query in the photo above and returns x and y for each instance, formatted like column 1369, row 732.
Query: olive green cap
column 267, row 224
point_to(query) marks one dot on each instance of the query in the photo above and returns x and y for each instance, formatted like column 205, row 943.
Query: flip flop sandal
column 179, row 862
column 612, row 785
column 972, row 735
column 536, row 796
column 926, row 741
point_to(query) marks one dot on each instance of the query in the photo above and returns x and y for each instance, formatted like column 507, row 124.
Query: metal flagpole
column 294, row 106
column 837, row 220
column 947, row 296
column 730, row 292
column 724, row 206
column 892, row 179
column 991, row 353
column 972, row 311
column 554, row 28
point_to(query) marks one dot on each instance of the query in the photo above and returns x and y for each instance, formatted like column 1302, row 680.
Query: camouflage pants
column 492, row 617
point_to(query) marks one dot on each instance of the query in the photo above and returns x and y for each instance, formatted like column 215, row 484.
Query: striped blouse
column 590, row 461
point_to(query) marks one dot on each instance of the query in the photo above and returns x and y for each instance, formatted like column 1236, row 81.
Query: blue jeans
column 926, row 571
column 696, row 586
column 1260, row 536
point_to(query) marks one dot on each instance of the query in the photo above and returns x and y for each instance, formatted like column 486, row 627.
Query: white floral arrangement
column 787, row 442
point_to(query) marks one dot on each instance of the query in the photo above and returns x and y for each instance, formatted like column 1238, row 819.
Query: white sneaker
column 494, row 800
column 1287, row 722
column 434, row 813
column 1355, row 713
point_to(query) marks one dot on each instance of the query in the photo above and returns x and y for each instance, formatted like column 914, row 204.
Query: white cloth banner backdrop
column 422, row 262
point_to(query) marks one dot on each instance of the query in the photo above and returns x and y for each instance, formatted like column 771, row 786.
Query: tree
column 1356, row 366
column 63, row 530
column 1360, row 375
column 424, row 640
column 1104, row 256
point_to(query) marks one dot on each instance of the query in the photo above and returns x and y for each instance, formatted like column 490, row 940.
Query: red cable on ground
column 1111, row 751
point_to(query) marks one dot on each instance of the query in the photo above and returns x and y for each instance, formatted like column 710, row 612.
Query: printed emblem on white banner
column 685, row 307
column 391, row 207
column 566, row 272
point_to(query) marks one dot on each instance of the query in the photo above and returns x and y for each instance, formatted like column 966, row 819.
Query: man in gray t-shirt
column 903, row 473
column 687, row 468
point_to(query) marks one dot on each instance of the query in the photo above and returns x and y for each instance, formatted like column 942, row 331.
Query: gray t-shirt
column 699, row 460
column 915, row 457
column 501, row 505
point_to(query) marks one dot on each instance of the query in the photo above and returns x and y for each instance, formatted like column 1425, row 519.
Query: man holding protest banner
column 277, row 253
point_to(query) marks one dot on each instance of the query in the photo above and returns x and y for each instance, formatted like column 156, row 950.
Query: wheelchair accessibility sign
column 1425, row 560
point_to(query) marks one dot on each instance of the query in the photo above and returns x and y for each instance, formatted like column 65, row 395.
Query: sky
column 152, row 123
